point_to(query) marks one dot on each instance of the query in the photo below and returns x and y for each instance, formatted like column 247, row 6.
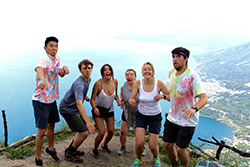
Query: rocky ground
column 105, row 160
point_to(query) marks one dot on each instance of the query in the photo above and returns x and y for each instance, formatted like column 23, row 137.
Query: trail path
column 105, row 159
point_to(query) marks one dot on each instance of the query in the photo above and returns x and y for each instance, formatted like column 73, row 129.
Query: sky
column 139, row 25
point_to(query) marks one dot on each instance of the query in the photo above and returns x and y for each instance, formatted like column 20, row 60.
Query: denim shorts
column 75, row 121
column 45, row 113
column 154, row 122
column 180, row 135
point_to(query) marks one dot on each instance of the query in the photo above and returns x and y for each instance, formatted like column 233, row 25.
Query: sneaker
column 106, row 149
column 39, row 162
column 52, row 153
column 72, row 157
column 95, row 153
column 137, row 162
column 121, row 151
column 143, row 152
column 157, row 161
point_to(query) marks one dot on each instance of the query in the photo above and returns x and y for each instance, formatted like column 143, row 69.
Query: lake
column 18, row 82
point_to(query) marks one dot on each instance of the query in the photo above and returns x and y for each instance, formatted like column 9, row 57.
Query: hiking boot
column 39, row 162
column 80, row 153
column 143, row 152
column 121, row 151
column 52, row 153
column 72, row 157
column 106, row 149
column 136, row 163
column 157, row 161
column 95, row 153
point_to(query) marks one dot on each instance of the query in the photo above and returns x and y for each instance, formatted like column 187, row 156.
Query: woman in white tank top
column 103, row 94
column 149, row 111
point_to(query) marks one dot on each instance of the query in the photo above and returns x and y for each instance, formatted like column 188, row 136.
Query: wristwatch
column 164, row 96
column 194, row 107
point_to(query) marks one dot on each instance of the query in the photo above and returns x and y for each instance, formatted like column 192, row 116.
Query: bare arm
column 90, row 125
column 40, row 74
column 122, row 98
column 95, row 92
column 189, row 113
column 136, row 88
column 87, row 98
column 162, row 87
column 119, row 103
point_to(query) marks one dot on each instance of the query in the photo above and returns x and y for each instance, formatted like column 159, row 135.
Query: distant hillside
column 225, row 74
column 230, row 66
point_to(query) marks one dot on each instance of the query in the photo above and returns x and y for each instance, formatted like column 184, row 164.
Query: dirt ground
column 105, row 159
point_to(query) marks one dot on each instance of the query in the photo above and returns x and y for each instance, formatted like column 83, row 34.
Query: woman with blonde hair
column 149, row 111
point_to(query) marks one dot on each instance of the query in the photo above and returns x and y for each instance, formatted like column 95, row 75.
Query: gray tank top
column 129, row 111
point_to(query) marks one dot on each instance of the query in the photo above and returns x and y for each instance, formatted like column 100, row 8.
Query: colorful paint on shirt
column 51, row 68
column 184, row 91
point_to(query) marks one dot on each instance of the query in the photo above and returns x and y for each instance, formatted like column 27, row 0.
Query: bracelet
column 122, row 100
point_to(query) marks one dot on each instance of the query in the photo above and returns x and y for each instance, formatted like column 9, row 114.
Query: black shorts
column 75, row 121
column 45, row 113
column 104, row 112
column 123, row 117
column 180, row 135
column 154, row 122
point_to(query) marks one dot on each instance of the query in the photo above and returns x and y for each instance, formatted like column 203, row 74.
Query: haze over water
column 18, row 81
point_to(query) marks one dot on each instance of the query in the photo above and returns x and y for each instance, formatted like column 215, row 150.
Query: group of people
column 139, row 100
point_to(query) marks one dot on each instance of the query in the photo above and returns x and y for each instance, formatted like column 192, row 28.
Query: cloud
column 27, row 23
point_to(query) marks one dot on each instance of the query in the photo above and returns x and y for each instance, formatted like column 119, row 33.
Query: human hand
column 123, row 106
column 119, row 103
column 65, row 70
column 42, row 85
column 132, row 102
column 158, row 97
column 96, row 111
column 188, row 113
column 91, row 127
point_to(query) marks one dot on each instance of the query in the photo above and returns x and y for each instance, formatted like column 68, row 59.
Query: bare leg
column 153, row 144
column 101, row 131
column 123, row 133
column 139, row 141
column 50, row 135
column 79, row 138
column 110, row 130
column 171, row 151
column 184, row 156
column 39, row 142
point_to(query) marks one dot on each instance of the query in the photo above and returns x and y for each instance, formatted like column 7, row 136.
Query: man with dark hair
column 187, row 97
column 73, row 111
column 45, row 95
